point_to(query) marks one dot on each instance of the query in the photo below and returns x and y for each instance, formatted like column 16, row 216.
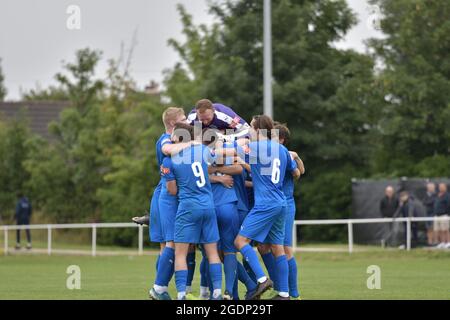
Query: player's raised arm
column 232, row 170
column 298, row 160
column 172, row 149
column 167, row 173
column 172, row 187
column 226, row 180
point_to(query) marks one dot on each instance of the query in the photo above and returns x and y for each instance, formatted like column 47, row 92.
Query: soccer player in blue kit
column 265, row 223
column 163, row 205
column 195, row 221
column 226, row 178
column 288, row 190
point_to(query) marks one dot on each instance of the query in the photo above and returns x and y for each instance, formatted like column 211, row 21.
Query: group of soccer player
column 225, row 187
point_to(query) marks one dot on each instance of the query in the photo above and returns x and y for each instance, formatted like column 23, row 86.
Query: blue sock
column 282, row 271
column 204, row 272
column 245, row 278
column 236, row 289
column 249, row 270
column 269, row 262
column 157, row 262
column 166, row 262
column 293, row 288
column 229, row 266
column 250, row 256
column 215, row 272
column 191, row 267
column 180, row 280
column 208, row 278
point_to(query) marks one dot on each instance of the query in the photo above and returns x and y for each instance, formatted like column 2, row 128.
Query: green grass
column 418, row 274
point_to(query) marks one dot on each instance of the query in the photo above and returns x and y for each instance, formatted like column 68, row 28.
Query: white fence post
column 6, row 241
column 408, row 234
column 49, row 239
column 141, row 240
column 94, row 240
column 350, row 236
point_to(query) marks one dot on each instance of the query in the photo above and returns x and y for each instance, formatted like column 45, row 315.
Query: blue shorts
column 290, row 217
column 196, row 226
column 168, row 206
column 228, row 223
column 155, row 221
column 242, row 214
column 265, row 224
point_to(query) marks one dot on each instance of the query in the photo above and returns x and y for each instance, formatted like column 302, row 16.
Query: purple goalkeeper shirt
column 224, row 118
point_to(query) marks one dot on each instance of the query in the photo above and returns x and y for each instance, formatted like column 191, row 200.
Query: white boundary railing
column 95, row 226
column 351, row 222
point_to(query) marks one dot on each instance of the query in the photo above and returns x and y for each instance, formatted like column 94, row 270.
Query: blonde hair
column 171, row 114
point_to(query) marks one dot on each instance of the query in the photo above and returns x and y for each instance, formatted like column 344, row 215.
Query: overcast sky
column 34, row 38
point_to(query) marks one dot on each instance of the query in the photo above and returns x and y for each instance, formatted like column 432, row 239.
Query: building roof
column 40, row 113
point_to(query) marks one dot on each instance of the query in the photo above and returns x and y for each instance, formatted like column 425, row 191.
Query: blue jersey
column 239, row 184
column 190, row 170
column 288, row 183
column 223, row 195
column 269, row 163
column 164, row 139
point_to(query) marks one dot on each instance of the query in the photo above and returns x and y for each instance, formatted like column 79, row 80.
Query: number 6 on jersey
column 276, row 171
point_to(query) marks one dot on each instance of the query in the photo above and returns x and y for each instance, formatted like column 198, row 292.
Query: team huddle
column 226, row 186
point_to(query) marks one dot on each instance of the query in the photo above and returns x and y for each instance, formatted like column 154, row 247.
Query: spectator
column 389, row 203
column 408, row 209
column 428, row 201
column 441, row 209
column 22, row 217
column 388, row 209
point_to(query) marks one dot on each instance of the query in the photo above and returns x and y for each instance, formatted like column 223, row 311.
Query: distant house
column 39, row 113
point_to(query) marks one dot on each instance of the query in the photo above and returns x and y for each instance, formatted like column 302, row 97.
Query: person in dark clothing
column 408, row 209
column 429, row 202
column 442, row 210
column 22, row 217
column 389, row 203
column 388, row 209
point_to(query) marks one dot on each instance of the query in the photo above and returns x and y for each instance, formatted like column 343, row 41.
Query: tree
column 415, row 54
column 65, row 174
column 2, row 85
column 102, row 166
column 15, row 142
column 84, row 89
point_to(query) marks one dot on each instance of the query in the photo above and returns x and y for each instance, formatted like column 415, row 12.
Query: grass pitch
column 419, row 274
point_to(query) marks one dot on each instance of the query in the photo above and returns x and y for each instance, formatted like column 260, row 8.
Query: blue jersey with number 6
column 269, row 162
column 190, row 170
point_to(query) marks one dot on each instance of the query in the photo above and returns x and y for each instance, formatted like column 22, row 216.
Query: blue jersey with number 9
column 190, row 170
